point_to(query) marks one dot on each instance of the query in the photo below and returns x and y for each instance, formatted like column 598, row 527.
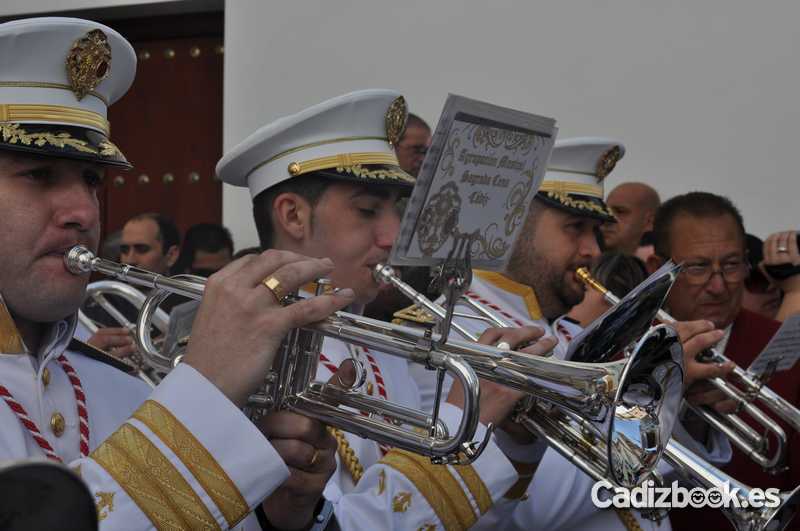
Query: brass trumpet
column 739, row 432
column 622, row 436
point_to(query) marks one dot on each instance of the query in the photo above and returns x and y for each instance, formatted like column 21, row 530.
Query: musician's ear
column 291, row 217
column 653, row 263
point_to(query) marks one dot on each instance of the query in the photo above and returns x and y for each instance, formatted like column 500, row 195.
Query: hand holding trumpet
column 241, row 323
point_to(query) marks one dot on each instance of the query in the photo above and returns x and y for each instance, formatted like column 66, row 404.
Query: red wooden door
column 169, row 125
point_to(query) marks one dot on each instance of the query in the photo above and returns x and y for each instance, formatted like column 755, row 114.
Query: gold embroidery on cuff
column 209, row 474
column 476, row 487
column 152, row 482
column 437, row 485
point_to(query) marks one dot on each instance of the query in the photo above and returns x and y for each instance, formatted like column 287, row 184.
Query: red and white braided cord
column 80, row 398
column 33, row 429
column 493, row 306
column 376, row 371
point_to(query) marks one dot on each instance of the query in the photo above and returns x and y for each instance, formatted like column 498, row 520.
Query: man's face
column 412, row 148
column 355, row 226
column 141, row 247
column 553, row 245
column 708, row 243
column 48, row 205
column 627, row 206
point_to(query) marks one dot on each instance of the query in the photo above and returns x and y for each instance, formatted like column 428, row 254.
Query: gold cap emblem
column 88, row 62
column 396, row 118
column 607, row 162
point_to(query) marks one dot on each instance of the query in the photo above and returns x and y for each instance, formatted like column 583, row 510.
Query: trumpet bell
column 645, row 406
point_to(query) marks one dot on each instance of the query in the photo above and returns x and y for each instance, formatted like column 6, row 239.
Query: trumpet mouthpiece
column 383, row 273
column 78, row 260
column 586, row 277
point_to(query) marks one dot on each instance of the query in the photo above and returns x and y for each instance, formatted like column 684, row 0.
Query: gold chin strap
column 10, row 339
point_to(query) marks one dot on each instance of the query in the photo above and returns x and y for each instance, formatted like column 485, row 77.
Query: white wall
column 32, row 7
column 105, row 9
column 704, row 94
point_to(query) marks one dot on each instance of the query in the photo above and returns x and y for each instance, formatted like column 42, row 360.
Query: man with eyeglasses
column 414, row 144
column 705, row 233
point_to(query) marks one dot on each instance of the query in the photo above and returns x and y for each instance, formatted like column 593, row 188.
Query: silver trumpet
column 743, row 516
column 98, row 291
column 290, row 385
column 752, row 443
column 615, row 428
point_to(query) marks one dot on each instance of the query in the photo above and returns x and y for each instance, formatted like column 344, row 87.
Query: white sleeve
column 186, row 459
column 406, row 491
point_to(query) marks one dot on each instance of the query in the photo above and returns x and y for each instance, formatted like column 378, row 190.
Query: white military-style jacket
column 559, row 495
column 181, row 456
column 377, row 487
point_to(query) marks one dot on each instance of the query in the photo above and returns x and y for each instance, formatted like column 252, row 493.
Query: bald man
column 634, row 205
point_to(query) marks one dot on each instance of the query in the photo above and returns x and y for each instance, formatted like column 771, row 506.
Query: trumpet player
column 559, row 236
column 706, row 232
column 182, row 456
column 325, row 182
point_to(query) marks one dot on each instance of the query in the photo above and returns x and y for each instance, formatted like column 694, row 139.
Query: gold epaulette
column 415, row 314
column 10, row 339
column 100, row 355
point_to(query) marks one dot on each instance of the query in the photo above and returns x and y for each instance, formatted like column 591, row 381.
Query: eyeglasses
column 732, row 271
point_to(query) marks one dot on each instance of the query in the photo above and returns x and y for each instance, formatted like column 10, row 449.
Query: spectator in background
column 761, row 295
column 782, row 267
column 646, row 248
column 413, row 145
column 150, row 241
column 634, row 206
column 207, row 248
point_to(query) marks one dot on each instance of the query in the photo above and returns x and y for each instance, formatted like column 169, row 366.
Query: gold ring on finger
column 314, row 457
column 274, row 285
column 783, row 249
